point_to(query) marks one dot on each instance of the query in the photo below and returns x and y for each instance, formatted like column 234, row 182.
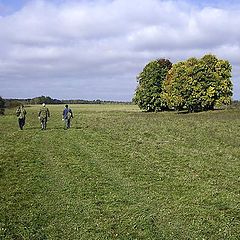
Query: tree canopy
column 150, row 84
column 198, row 84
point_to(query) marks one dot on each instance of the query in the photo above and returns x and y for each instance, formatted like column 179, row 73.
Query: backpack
column 44, row 113
column 69, row 114
column 21, row 113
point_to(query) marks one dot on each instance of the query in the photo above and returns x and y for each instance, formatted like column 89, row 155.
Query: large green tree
column 2, row 106
column 150, row 84
column 198, row 84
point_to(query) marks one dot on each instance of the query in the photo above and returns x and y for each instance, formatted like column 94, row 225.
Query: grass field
column 119, row 173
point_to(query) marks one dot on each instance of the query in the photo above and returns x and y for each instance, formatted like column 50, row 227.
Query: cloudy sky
column 93, row 49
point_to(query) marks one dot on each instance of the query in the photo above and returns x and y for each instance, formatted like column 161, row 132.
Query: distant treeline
column 13, row 102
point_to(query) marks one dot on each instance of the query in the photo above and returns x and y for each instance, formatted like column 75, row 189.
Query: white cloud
column 95, row 49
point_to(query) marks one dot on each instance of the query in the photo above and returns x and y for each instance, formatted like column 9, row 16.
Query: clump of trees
column 2, row 106
column 194, row 84
column 13, row 103
column 44, row 99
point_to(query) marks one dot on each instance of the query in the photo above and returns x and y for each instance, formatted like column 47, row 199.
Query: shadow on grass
column 188, row 112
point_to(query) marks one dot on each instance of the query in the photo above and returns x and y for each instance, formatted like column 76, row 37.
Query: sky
column 94, row 49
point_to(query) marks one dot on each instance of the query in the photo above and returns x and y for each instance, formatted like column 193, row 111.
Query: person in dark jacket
column 67, row 116
column 21, row 115
column 43, row 116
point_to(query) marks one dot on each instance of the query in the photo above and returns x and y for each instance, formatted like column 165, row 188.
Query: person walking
column 67, row 116
column 21, row 115
column 43, row 116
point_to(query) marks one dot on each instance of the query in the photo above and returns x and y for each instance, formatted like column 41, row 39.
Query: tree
column 173, row 86
column 2, row 106
column 198, row 84
column 150, row 83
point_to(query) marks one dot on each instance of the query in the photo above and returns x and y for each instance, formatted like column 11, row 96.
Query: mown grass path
column 119, row 173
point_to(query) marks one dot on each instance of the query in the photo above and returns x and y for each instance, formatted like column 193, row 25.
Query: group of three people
column 43, row 116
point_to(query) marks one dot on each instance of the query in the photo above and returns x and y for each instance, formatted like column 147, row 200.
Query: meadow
column 120, row 173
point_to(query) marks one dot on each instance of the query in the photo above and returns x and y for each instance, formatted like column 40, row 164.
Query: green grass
column 119, row 173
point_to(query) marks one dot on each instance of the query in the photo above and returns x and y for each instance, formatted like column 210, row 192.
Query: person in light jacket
column 67, row 116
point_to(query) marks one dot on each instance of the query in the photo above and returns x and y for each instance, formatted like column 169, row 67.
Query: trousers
column 67, row 123
column 21, row 123
column 44, row 123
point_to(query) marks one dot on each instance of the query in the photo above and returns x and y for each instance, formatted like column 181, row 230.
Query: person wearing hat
column 43, row 116
column 67, row 115
column 21, row 115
